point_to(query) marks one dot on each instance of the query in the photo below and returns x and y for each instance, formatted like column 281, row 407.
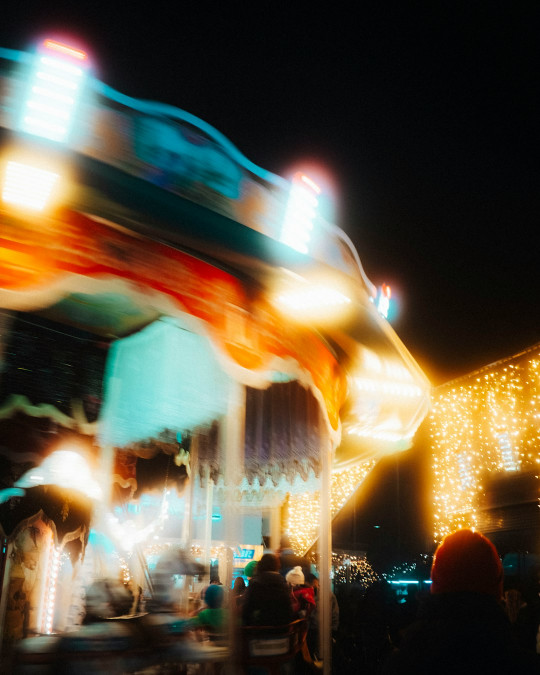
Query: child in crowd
column 303, row 597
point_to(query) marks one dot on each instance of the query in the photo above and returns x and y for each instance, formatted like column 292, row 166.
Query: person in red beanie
column 462, row 628
column 466, row 561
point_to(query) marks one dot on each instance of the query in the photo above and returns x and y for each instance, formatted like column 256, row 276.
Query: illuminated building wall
column 483, row 426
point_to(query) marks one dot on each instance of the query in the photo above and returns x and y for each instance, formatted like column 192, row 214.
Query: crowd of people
column 273, row 596
column 467, row 622
column 470, row 619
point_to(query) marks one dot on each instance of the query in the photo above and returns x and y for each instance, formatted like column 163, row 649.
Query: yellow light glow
column 65, row 468
column 397, row 389
column 381, row 435
column 303, row 521
column 128, row 534
column 27, row 186
column 311, row 298
column 484, row 423
column 307, row 300
column 388, row 400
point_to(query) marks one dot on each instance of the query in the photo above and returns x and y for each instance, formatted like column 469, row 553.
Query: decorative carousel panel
column 284, row 433
column 69, row 260
column 164, row 377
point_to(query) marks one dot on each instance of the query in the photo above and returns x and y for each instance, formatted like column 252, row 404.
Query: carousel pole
column 4, row 594
column 106, row 474
column 190, row 499
column 233, row 441
column 234, row 468
column 275, row 527
column 107, row 455
column 325, row 558
column 190, row 494
column 209, row 486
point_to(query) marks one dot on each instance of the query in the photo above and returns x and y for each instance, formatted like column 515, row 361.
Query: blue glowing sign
column 244, row 553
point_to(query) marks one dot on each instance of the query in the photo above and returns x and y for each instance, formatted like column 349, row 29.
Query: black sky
column 426, row 115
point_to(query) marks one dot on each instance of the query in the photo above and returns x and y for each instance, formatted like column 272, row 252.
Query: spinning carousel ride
column 188, row 343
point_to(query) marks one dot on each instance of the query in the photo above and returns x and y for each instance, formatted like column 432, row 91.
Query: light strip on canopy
column 54, row 90
column 28, row 186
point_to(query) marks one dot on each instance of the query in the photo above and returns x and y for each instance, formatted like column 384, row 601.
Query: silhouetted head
column 239, row 585
column 312, row 580
column 250, row 569
column 467, row 561
column 268, row 563
column 214, row 596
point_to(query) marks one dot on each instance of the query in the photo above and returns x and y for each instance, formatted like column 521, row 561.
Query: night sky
column 425, row 114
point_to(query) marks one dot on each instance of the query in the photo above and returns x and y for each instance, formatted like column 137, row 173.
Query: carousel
column 194, row 363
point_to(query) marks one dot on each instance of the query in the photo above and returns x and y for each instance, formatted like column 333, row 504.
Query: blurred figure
column 250, row 570
column 378, row 622
column 213, row 618
column 313, row 628
column 513, row 603
column 214, row 581
column 105, row 642
column 523, row 611
column 267, row 601
column 288, row 558
column 303, row 596
column 105, row 599
column 462, row 627
column 237, row 595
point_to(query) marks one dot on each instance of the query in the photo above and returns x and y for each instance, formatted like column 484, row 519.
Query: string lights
column 124, row 570
column 350, row 569
column 304, row 509
column 127, row 534
column 54, row 563
column 414, row 570
column 484, row 423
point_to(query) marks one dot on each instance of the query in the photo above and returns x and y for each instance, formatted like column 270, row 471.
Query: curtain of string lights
column 483, row 425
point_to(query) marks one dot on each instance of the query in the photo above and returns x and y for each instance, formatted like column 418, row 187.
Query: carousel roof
column 166, row 218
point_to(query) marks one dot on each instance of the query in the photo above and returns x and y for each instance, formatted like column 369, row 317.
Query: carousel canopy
column 199, row 267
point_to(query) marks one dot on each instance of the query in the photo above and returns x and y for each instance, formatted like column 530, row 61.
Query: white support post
column 325, row 559
column 4, row 596
column 275, row 527
column 234, row 469
column 209, row 487
column 190, row 494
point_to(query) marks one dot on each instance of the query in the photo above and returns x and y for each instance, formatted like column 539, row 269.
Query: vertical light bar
column 54, row 90
column 464, row 470
column 507, row 453
column 49, row 598
column 383, row 303
column 300, row 213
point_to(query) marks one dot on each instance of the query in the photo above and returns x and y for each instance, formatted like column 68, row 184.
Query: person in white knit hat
column 295, row 577
column 303, row 597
